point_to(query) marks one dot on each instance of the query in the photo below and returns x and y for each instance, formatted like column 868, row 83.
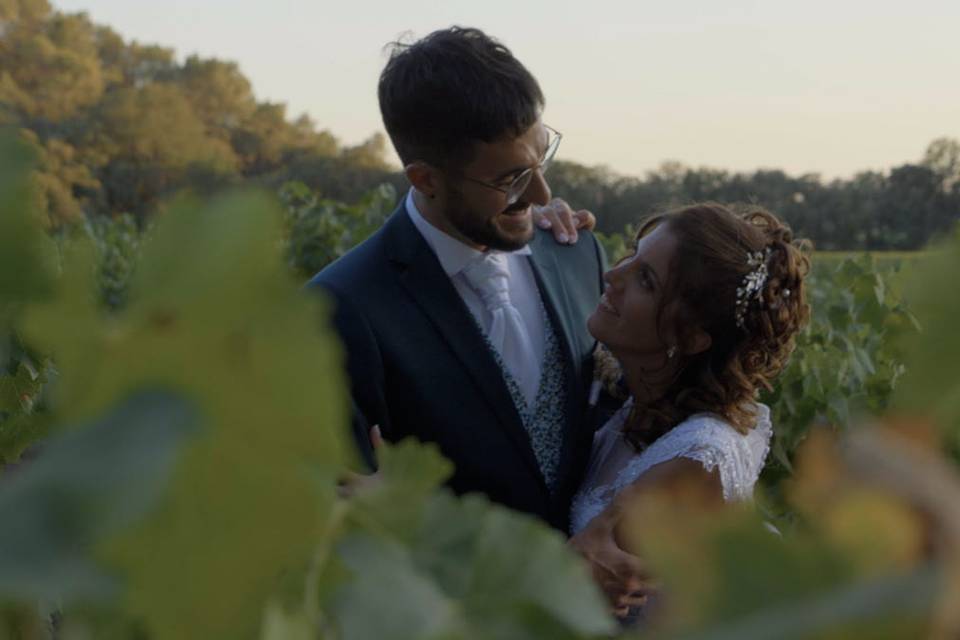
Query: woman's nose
column 611, row 278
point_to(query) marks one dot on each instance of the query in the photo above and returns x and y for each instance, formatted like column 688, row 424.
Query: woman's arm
column 622, row 575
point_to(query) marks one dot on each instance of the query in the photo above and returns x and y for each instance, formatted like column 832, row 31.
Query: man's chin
column 513, row 230
column 511, row 241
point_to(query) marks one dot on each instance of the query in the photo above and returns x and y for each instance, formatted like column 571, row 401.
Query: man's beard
column 483, row 230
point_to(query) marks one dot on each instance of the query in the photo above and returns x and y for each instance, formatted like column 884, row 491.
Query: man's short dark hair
column 451, row 89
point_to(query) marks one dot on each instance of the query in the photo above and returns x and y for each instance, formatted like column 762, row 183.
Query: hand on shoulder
column 560, row 217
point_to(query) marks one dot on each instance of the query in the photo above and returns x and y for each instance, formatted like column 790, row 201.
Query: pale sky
column 819, row 86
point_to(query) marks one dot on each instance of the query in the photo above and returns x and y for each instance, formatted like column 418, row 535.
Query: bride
column 700, row 318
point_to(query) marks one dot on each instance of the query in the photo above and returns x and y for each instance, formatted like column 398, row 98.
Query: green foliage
column 617, row 245
column 22, row 242
column 91, row 481
column 185, row 485
column 23, row 371
column 933, row 386
column 117, row 242
column 318, row 231
column 216, row 316
column 23, row 383
column 121, row 127
column 246, row 535
column 435, row 566
column 846, row 362
column 903, row 209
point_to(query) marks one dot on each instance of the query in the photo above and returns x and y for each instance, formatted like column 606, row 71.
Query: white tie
column 489, row 276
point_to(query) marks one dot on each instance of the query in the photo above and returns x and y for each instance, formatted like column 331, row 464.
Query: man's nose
column 538, row 191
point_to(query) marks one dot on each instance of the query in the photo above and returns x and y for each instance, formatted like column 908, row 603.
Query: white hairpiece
column 752, row 286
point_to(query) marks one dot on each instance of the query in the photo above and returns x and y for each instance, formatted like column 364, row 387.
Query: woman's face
column 626, row 317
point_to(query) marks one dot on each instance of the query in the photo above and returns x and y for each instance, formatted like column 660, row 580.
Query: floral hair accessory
column 752, row 287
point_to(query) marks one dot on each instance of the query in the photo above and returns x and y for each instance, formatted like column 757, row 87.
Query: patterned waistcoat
column 544, row 421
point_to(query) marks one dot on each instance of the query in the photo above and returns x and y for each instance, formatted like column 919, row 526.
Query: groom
column 465, row 326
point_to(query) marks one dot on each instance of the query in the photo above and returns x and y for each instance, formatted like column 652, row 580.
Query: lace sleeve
column 716, row 445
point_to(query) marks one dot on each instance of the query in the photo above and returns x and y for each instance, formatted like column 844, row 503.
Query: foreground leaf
column 83, row 485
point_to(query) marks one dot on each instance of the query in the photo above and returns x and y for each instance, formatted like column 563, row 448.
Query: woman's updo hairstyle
column 753, row 333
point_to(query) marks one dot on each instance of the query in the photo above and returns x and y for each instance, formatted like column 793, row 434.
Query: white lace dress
column 704, row 437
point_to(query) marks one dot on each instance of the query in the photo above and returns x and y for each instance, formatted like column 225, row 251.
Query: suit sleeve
column 364, row 369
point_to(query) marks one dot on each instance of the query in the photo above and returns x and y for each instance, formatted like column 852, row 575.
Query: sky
column 827, row 87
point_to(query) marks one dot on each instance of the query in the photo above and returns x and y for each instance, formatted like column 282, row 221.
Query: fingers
column 564, row 229
column 584, row 219
column 622, row 577
column 561, row 219
column 376, row 438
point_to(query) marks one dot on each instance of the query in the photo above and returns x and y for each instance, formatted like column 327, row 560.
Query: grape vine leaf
column 214, row 314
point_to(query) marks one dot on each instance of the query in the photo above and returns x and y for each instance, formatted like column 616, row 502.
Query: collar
column 452, row 254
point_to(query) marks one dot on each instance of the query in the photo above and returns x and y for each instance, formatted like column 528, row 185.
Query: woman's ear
column 697, row 341
column 424, row 178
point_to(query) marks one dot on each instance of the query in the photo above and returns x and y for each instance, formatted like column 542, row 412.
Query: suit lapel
column 421, row 275
column 555, row 299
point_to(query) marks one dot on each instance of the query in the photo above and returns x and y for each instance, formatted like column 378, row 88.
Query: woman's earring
column 672, row 351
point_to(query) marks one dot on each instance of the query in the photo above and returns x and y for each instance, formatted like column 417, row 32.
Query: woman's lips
column 606, row 306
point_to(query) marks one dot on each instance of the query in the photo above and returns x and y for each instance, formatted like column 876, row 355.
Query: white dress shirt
column 455, row 255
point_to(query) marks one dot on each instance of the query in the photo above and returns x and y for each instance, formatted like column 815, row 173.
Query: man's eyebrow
column 510, row 172
column 519, row 170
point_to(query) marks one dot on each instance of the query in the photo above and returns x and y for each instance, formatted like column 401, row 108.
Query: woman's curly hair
column 711, row 262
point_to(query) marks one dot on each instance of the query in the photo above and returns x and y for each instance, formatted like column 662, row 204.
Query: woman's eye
column 646, row 280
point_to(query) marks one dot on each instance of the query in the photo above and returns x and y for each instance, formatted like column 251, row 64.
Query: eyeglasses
column 519, row 184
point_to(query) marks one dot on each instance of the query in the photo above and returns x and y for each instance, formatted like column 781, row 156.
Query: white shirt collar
column 452, row 254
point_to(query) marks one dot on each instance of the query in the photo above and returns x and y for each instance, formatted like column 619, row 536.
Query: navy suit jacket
column 419, row 365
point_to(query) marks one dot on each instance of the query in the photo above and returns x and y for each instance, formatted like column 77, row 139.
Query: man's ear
column 424, row 178
column 697, row 341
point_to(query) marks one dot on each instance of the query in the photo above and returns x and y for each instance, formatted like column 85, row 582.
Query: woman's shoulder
column 712, row 427
column 711, row 440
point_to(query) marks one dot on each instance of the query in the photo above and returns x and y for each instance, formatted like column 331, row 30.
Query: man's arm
column 364, row 369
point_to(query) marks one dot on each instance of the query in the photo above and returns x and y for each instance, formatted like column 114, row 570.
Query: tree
column 369, row 154
column 152, row 138
column 50, row 69
column 220, row 95
column 62, row 182
column 943, row 158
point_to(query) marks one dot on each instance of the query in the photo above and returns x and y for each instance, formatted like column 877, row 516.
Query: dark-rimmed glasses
column 519, row 184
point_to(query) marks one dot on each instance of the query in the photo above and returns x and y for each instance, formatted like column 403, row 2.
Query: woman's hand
column 563, row 220
column 620, row 575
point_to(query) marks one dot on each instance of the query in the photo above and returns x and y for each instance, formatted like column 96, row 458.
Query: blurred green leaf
column 83, row 485
column 389, row 598
column 213, row 313
column 26, row 254
column 449, row 567
column 931, row 385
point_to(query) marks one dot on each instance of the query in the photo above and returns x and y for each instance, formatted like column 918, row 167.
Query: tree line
column 901, row 209
column 119, row 127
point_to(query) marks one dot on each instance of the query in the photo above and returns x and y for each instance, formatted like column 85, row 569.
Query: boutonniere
column 607, row 376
